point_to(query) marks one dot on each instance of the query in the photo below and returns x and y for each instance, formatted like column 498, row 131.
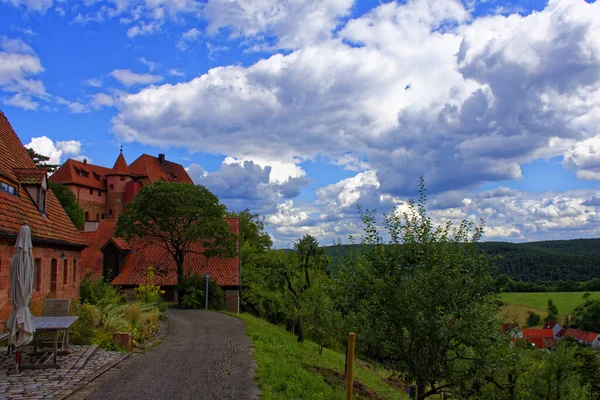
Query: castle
column 103, row 192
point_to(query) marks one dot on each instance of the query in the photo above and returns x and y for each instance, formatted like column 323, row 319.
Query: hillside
column 287, row 369
column 577, row 259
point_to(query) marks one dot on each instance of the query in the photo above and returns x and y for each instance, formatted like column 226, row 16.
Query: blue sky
column 301, row 110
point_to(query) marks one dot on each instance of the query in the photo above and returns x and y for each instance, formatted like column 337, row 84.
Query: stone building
column 57, row 245
column 103, row 192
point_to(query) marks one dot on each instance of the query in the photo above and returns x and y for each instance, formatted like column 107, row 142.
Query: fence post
column 350, row 365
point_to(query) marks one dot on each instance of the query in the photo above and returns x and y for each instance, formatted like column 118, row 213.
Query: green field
column 565, row 301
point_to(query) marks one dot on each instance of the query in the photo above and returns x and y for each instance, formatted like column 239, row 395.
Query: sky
column 301, row 110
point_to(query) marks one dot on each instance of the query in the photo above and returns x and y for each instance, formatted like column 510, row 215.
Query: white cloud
column 45, row 146
column 40, row 6
column 21, row 100
column 129, row 78
column 292, row 24
column 19, row 64
column 93, row 82
column 429, row 90
column 150, row 64
column 102, row 100
column 78, row 108
column 175, row 72
column 187, row 37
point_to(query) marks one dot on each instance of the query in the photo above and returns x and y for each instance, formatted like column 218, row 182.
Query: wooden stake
column 350, row 366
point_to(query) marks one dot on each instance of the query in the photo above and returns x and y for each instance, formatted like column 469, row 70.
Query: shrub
column 194, row 298
column 82, row 331
column 132, row 313
column 149, row 293
column 533, row 319
column 99, row 292
column 196, row 284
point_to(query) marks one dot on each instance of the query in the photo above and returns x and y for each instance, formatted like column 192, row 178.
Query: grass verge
column 291, row 370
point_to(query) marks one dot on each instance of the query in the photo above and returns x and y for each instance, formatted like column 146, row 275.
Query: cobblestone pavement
column 76, row 370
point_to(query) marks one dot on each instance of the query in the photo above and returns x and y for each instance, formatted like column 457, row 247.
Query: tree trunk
column 179, row 261
column 421, row 389
column 300, row 330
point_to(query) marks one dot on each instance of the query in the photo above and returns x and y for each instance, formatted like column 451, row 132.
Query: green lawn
column 565, row 301
column 290, row 370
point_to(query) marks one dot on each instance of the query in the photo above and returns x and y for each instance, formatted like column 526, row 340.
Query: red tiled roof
column 15, row 210
column 30, row 176
column 120, row 167
column 119, row 243
column 83, row 174
column 541, row 338
column 91, row 257
column 509, row 326
column 146, row 254
column 544, row 333
column 550, row 324
column 151, row 167
column 586, row 337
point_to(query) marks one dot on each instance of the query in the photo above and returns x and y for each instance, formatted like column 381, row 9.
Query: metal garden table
column 54, row 325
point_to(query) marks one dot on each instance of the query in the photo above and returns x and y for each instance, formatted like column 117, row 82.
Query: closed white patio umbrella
column 20, row 323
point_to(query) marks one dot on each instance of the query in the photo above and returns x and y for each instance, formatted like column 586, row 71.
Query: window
column 53, row 275
column 96, row 176
column 37, row 274
column 74, row 271
column 101, row 216
column 5, row 187
column 43, row 201
column 87, row 215
column 112, row 186
column 97, row 217
column 65, row 272
column 99, row 193
column 91, row 191
column 122, row 178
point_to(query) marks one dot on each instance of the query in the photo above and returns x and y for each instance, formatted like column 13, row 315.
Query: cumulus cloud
column 128, row 78
column 55, row 150
column 276, row 23
column 424, row 89
column 19, row 65
column 246, row 184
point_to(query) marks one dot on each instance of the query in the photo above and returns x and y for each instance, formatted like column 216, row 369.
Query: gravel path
column 206, row 355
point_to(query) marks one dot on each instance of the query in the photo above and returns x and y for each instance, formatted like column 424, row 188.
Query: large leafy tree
column 178, row 217
column 422, row 303
column 68, row 201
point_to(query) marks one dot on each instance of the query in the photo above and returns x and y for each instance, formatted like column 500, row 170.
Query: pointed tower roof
column 120, row 167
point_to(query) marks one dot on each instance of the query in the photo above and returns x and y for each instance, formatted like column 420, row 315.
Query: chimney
column 85, row 161
column 161, row 158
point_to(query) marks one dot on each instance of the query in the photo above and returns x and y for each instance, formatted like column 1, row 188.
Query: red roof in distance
column 146, row 254
column 584, row 336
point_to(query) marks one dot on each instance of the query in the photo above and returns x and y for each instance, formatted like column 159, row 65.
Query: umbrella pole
column 17, row 360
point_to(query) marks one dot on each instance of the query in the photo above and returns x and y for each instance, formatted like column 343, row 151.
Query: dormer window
column 5, row 187
column 42, row 203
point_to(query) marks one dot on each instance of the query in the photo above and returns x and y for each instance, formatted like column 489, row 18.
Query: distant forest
column 537, row 262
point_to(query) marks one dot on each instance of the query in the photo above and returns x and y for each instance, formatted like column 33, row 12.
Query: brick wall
column 116, row 203
column 52, row 282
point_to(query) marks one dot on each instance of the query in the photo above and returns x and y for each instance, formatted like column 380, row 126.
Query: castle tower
column 116, row 182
